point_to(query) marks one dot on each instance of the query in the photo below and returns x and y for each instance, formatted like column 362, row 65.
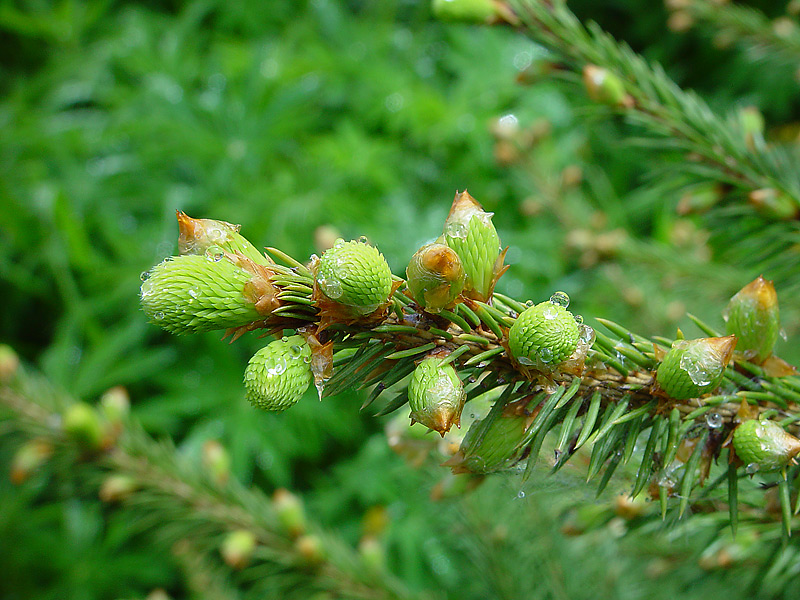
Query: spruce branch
column 764, row 39
column 191, row 511
column 716, row 146
column 524, row 369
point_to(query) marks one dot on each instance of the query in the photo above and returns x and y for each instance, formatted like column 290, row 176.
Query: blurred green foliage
column 364, row 116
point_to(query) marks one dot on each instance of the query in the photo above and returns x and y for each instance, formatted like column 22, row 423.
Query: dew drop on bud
column 546, row 354
column 295, row 351
column 158, row 316
column 560, row 299
column 278, row 368
column 578, row 319
column 456, row 229
column 214, row 255
column 587, row 334
column 782, row 333
column 145, row 275
column 362, row 239
column 714, row 420
column 332, row 288
column 524, row 360
column 529, row 303
column 751, row 468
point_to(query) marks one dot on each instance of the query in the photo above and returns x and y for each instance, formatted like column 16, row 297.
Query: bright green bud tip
column 355, row 275
column 193, row 293
column 545, row 334
column 278, row 375
column 470, row 232
column 436, row 395
column 435, row 277
column 471, row 11
column 752, row 315
column 604, row 86
column 198, row 236
column 493, row 449
column 82, row 423
column 693, row 367
column 237, row 548
column 763, row 445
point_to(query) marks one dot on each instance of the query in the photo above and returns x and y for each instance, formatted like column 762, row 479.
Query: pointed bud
column 216, row 461
column 605, row 87
column 775, row 204
column 194, row 293
column 752, row 315
column 496, row 448
column 116, row 488
column 763, row 445
column 355, row 275
column 29, row 457
column 115, row 404
column 545, row 334
column 82, row 423
column 469, row 231
column 435, row 277
column 752, row 123
column 237, row 548
column 469, row 11
column 693, row 367
column 198, row 236
column 278, row 375
column 372, row 553
column 9, row 363
column 311, row 549
column 289, row 510
column 436, row 395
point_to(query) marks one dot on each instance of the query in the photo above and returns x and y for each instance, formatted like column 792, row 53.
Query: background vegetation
column 306, row 120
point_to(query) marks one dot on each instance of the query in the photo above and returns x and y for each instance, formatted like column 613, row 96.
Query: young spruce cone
column 278, row 375
column 436, row 395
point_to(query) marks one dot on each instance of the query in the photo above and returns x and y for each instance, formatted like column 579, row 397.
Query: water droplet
column 362, row 239
column 295, row 351
column 529, row 303
column 145, row 275
column 524, row 360
column 320, row 385
column 482, row 365
column 456, row 230
column 214, row 254
column 193, row 292
column 549, row 312
column 338, row 243
column 520, row 494
column 277, row 368
column 560, row 299
column 578, row 319
column 701, row 365
column 158, row 316
column 751, row 468
column 332, row 288
column 714, row 420
column 782, row 333
column 546, row 354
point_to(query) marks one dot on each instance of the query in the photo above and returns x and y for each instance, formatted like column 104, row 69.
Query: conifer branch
column 716, row 146
column 191, row 511
column 747, row 27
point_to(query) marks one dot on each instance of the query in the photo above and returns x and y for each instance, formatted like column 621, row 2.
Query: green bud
column 9, row 363
column 605, row 87
column 752, row 123
column 435, row 277
column 115, row 404
column 82, row 423
column 311, row 549
column 763, row 445
column 198, row 236
column 278, row 375
column 469, row 231
column 436, row 395
column 693, row 367
column 545, row 334
column 237, row 548
column 499, row 446
column 289, row 509
column 355, row 275
column 752, row 315
column 116, row 488
column 775, row 204
column 29, row 457
column 216, row 461
column 194, row 293
column 470, row 11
